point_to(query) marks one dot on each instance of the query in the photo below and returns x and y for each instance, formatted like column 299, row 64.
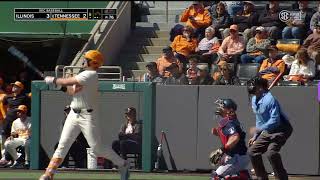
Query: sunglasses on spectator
column 233, row 31
column 258, row 32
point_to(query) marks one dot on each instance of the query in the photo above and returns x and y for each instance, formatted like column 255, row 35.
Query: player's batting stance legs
column 83, row 116
column 271, row 132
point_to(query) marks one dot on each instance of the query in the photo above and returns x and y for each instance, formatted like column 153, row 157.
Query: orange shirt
column 3, row 108
column 163, row 63
column 201, row 15
column 278, row 63
column 184, row 47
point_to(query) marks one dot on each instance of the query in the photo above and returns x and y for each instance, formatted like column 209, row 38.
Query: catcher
column 232, row 157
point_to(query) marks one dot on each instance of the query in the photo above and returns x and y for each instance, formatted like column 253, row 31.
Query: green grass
column 28, row 175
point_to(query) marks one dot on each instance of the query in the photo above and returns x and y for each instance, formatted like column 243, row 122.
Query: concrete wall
column 116, row 35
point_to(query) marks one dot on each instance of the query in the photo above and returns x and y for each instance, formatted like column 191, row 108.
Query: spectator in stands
column 3, row 111
column 224, row 75
column 272, row 66
column 166, row 60
column 256, row 47
column 129, row 135
column 8, row 88
column 270, row 20
column 152, row 74
column 12, row 101
column 204, row 77
column 221, row 18
column 176, row 77
column 25, row 80
column 312, row 43
column 192, row 72
column 3, row 108
column 245, row 20
column 315, row 19
column 298, row 28
column 184, row 45
column 20, row 136
column 303, row 68
column 208, row 46
column 197, row 17
column 232, row 46
column 233, row 7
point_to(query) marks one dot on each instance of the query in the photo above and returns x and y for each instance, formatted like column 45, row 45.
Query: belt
column 78, row 111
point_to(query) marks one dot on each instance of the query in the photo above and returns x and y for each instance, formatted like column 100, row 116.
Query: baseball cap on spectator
column 248, row 2
column 151, row 65
column 167, row 49
column 130, row 110
column 172, row 66
column 18, row 84
column 22, row 108
column 272, row 48
column 202, row 67
column 260, row 28
column 234, row 27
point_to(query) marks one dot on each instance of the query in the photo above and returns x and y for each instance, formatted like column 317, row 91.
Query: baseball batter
column 232, row 157
column 83, row 116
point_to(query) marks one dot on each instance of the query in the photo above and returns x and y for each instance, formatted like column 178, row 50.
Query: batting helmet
column 23, row 108
column 94, row 58
column 256, row 81
column 225, row 104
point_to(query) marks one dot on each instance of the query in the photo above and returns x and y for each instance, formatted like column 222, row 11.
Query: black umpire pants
column 270, row 143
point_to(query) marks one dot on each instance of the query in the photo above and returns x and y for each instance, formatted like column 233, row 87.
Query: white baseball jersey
column 22, row 128
column 87, row 98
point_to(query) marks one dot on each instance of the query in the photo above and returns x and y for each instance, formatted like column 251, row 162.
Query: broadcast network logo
column 286, row 16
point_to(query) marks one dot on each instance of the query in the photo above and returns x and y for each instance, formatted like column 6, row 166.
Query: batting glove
column 50, row 80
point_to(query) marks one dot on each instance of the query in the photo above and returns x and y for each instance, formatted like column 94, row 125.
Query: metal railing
column 105, row 73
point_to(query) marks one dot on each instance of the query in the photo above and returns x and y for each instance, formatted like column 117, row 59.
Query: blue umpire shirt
column 268, row 112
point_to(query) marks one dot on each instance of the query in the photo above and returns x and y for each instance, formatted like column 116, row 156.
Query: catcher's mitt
column 215, row 157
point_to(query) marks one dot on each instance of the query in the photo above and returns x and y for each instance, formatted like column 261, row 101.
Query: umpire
column 271, row 132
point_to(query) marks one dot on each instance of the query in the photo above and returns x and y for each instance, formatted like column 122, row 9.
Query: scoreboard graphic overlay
column 63, row 14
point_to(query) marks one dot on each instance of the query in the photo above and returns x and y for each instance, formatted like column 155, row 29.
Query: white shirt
column 129, row 129
column 206, row 44
column 298, row 69
column 87, row 97
column 22, row 128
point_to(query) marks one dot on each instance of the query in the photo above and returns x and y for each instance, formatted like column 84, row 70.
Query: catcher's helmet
column 94, row 58
column 225, row 104
column 254, row 82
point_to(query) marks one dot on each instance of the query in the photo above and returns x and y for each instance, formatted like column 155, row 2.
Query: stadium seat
column 247, row 71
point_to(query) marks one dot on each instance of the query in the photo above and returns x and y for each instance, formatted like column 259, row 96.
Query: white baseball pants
column 11, row 145
column 233, row 165
column 87, row 124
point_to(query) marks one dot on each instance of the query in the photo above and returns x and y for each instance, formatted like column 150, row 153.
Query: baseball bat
column 15, row 52
column 275, row 81
column 159, row 152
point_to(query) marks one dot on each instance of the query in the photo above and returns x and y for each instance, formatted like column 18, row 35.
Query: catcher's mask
column 223, row 104
column 254, row 82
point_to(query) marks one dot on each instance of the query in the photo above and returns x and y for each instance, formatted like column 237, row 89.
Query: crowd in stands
column 214, row 38
column 15, row 123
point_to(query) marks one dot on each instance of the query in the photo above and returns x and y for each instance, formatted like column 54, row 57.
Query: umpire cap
column 256, row 81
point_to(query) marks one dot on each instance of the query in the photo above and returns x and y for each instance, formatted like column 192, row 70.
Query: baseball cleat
column 45, row 177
